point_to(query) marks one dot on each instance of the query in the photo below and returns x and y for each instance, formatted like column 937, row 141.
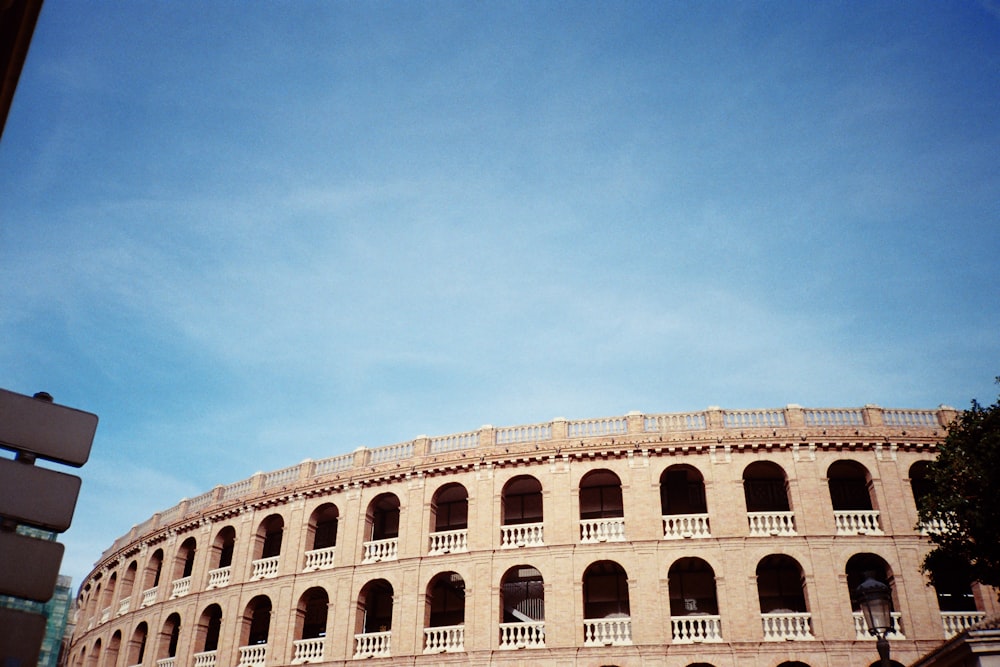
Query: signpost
column 33, row 427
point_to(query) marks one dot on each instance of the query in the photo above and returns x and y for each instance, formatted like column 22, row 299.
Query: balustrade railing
column 372, row 645
column 587, row 428
column 180, row 587
column 692, row 421
column 607, row 631
column 857, row 522
column 403, row 450
column 680, row 526
column 265, row 568
column 792, row 626
column 861, row 628
column 253, row 656
column 320, row 559
column 444, row 639
column 453, row 443
column 449, row 541
column 753, row 418
column 308, row 650
column 105, row 614
column 955, row 622
column 602, row 530
column 521, row 535
column 379, row 550
column 219, row 577
column 608, row 426
column 509, row 435
column 123, row 606
column 695, row 629
column 205, row 659
column 148, row 597
column 166, row 662
column 767, row 524
column 530, row 634
column 934, row 527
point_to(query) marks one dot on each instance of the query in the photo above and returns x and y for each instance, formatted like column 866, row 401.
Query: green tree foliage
column 964, row 500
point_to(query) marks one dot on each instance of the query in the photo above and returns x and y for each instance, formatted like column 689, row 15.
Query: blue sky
column 247, row 234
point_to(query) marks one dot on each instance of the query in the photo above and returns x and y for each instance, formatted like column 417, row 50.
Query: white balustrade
column 372, row 645
column 205, row 659
column 219, row 577
column 766, row 524
column 607, row 631
column 308, row 650
column 444, row 639
column 449, row 541
column 180, row 587
column 320, row 559
column 857, row 522
column 106, row 614
column 521, row 535
column 166, row 662
column 787, row 626
column 378, row 550
column 933, row 527
column 955, row 622
column 695, row 629
column 123, row 606
column 253, row 656
column 148, row 597
column 861, row 628
column 680, row 526
column 602, row 530
column 264, row 568
column 530, row 634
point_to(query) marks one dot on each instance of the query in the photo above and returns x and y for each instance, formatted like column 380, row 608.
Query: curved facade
column 724, row 537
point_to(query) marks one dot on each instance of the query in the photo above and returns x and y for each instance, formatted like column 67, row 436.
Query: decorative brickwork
column 726, row 537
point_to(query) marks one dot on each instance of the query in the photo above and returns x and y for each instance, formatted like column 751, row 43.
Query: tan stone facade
column 726, row 537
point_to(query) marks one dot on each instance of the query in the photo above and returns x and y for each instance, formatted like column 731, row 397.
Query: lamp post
column 876, row 605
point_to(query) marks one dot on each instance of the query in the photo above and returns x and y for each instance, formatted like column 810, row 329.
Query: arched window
column 780, row 586
column 167, row 645
column 109, row 595
column 256, row 625
column 151, row 578
column 521, row 501
column 382, row 527
column 682, row 491
column 114, row 646
column 95, row 655
column 781, row 592
column 606, row 610
column 127, row 586
column 768, row 509
column 267, row 547
column 694, row 607
column 450, row 508
column 522, row 608
column 373, row 625
column 449, row 520
column 849, row 483
column 444, row 614
column 860, row 567
column 222, row 547
column 601, row 509
column 184, row 564
column 137, row 645
column 310, row 625
column 765, row 487
column 269, row 535
column 321, row 537
column 601, row 495
column 920, row 481
column 208, row 629
column 682, row 503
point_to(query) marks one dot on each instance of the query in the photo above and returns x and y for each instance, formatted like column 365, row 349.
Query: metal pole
column 882, row 644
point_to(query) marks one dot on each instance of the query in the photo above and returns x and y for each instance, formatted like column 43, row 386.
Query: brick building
column 730, row 538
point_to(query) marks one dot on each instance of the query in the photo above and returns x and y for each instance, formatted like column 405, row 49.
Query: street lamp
column 876, row 605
